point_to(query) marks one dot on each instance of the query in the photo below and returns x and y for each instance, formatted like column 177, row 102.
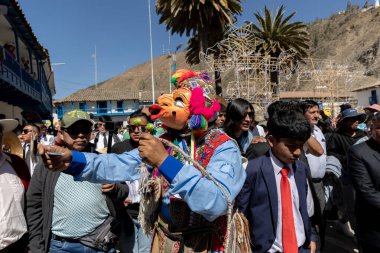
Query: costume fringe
column 150, row 192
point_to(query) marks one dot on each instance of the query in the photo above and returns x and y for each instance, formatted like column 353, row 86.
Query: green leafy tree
column 205, row 19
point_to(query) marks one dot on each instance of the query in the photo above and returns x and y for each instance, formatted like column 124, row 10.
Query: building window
column 102, row 106
column 373, row 98
column 82, row 106
column 59, row 111
column 119, row 106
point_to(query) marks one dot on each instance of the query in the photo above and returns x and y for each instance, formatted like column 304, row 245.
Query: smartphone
column 55, row 154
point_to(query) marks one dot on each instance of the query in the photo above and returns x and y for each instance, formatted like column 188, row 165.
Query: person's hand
column 313, row 247
column 145, row 110
column 258, row 139
column 151, row 149
column 108, row 188
column 55, row 158
column 127, row 202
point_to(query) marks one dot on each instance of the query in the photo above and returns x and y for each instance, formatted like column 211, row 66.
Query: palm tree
column 280, row 35
column 205, row 19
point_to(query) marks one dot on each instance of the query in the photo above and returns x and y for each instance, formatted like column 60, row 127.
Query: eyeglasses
column 25, row 131
column 77, row 131
column 140, row 128
column 250, row 114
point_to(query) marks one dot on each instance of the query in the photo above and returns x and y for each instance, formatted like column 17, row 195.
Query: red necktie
column 289, row 238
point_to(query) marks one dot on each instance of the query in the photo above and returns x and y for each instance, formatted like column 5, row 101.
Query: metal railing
column 114, row 111
column 13, row 74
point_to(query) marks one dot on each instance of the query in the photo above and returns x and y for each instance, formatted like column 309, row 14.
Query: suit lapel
column 270, row 181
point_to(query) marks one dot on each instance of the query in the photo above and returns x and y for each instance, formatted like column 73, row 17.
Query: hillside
column 349, row 38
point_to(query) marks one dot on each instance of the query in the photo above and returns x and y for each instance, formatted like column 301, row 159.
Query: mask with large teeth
column 191, row 104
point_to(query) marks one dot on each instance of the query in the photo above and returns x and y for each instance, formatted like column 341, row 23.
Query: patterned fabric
column 189, row 231
column 79, row 207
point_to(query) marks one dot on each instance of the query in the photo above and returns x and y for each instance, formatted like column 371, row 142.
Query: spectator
column 11, row 49
column 14, row 181
column 363, row 165
column 315, row 149
column 239, row 115
column 137, row 241
column 65, row 215
column 337, row 146
column 221, row 117
column 325, row 123
column 25, row 64
column 256, row 128
column 44, row 137
column 106, row 137
column 29, row 136
column 274, row 195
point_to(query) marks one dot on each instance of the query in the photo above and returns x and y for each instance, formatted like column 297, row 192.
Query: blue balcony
column 97, row 111
column 21, row 89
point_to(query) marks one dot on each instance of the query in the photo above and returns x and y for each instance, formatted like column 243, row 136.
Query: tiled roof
column 108, row 94
column 307, row 94
column 369, row 86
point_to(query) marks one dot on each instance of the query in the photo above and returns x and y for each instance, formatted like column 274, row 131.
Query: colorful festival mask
column 192, row 104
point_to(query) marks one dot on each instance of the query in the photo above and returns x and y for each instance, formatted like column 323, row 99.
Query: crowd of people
column 83, row 191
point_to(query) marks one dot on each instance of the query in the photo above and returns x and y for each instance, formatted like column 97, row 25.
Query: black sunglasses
column 25, row 131
column 250, row 114
column 77, row 131
column 132, row 128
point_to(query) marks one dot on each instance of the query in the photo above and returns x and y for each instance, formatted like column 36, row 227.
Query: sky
column 119, row 29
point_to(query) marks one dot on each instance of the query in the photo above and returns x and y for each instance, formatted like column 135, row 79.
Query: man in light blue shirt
column 187, row 192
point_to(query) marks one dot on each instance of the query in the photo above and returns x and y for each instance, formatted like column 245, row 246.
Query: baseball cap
column 74, row 116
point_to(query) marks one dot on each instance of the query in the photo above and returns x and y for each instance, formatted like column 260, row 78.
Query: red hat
column 374, row 107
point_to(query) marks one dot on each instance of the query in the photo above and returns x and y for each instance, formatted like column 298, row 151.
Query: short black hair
column 306, row 104
column 105, row 118
column 277, row 106
column 289, row 124
column 139, row 113
column 37, row 128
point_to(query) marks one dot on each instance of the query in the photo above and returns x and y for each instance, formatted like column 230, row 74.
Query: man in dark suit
column 364, row 168
column 274, row 196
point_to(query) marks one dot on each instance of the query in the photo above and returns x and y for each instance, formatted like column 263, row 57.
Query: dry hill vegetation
column 350, row 38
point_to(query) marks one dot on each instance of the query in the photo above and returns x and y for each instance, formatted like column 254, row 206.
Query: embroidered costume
column 194, row 203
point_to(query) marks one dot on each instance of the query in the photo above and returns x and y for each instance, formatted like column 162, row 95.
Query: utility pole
column 95, row 69
column 151, row 51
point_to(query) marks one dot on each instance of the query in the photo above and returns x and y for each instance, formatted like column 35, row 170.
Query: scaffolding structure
column 246, row 72
column 238, row 56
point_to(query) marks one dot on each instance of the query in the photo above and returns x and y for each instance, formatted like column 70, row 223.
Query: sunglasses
column 140, row 128
column 250, row 114
column 26, row 131
column 77, row 131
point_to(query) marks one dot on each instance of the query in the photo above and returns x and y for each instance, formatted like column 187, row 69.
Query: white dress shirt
column 12, row 220
column 317, row 164
column 47, row 139
column 298, row 222
column 30, row 162
column 100, row 143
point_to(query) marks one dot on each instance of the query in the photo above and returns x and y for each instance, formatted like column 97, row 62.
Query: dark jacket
column 124, row 146
column 258, row 201
column 339, row 143
column 364, row 168
column 39, row 210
